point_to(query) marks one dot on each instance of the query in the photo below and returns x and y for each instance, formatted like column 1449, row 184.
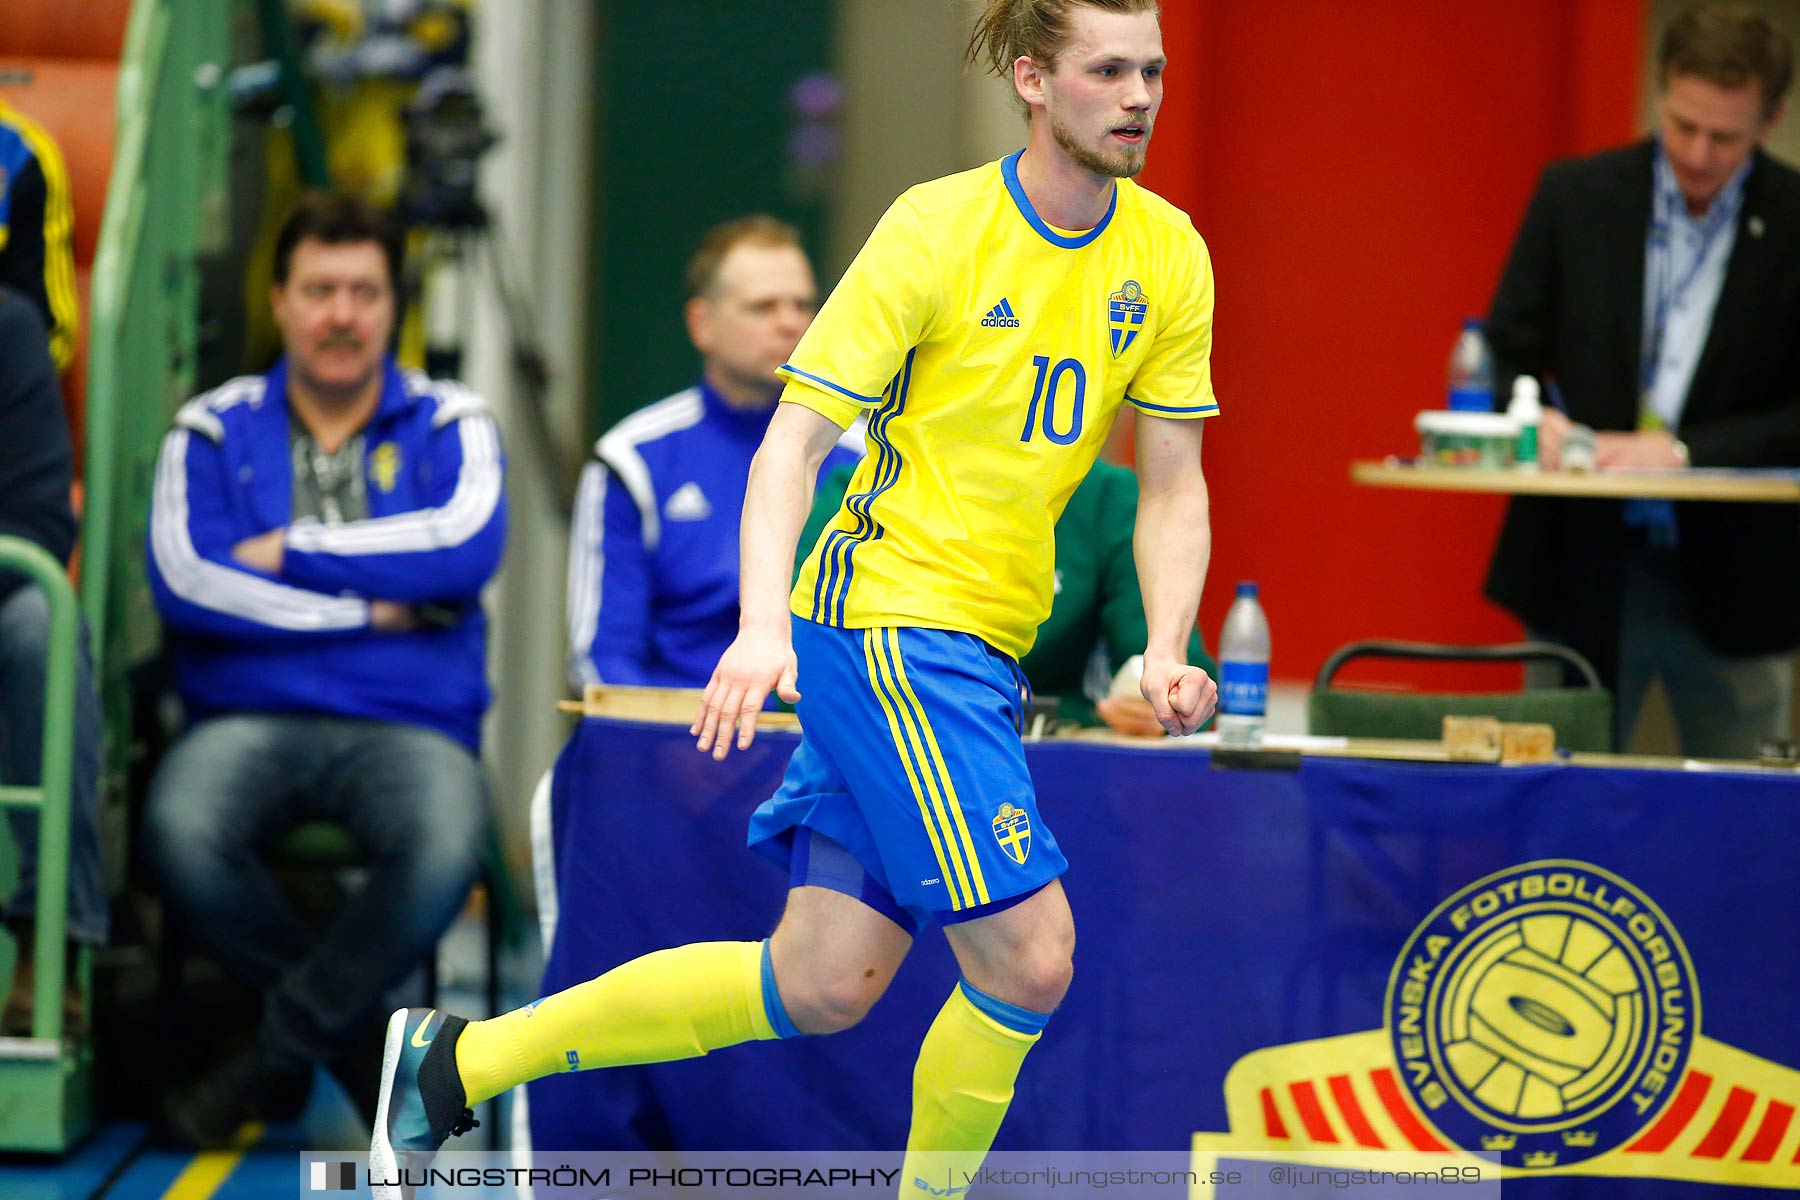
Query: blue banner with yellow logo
column 1585, row 971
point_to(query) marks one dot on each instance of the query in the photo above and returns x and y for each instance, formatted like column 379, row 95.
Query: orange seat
column 60, row 29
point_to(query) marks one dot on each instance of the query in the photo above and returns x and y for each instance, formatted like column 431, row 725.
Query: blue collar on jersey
column 1009, row 171
column 747, row 422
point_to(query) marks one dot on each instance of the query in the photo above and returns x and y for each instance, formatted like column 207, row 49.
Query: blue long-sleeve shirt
column 301, row 641
column 653, row 556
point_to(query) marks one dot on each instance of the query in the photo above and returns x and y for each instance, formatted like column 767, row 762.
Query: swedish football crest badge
column 1125, row 310
column 384, row 466
column 1012, row 829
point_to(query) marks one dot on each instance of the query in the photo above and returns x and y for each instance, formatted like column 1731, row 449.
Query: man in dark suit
column 1658, row 288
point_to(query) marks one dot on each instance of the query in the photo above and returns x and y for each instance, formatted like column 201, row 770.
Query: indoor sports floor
column 122, row 1161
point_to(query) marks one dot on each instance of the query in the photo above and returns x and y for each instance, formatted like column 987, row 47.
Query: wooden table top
column 1763, row 487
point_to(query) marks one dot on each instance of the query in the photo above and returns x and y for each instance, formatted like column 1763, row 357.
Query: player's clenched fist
column 1184, row 697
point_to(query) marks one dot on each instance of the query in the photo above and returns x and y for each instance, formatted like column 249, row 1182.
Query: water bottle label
column 1472, row 399
column 1244, row 688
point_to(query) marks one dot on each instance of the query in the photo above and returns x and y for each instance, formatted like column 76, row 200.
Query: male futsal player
column 991, row 328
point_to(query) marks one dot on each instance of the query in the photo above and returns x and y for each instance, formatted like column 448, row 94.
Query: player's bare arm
column 761, row 658
column 1172, row 543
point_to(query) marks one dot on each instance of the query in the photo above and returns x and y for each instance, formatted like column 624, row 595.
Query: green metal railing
column 165, row 206
column 46, row 1082
column 51, row 796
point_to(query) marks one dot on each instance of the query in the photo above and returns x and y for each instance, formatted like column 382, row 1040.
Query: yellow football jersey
column 991, row 351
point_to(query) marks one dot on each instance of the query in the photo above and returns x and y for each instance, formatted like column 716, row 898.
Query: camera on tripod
column 446, row 136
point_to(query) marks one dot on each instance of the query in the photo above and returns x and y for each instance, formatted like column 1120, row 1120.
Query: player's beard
column 1123, row 163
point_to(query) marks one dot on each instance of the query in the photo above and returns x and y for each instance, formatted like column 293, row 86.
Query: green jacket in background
column 1097, row 602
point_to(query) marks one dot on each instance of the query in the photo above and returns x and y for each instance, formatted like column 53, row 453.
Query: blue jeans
column 24, row 663
column 234, row 786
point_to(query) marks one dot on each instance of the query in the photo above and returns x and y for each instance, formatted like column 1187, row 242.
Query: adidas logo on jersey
column 1001, row 316
column 688, row 503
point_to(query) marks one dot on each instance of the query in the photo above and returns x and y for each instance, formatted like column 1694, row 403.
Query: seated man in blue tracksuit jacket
column 653, row 552
column 319, row 538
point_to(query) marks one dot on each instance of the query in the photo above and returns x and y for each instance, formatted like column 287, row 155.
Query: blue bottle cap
column 1246, row 588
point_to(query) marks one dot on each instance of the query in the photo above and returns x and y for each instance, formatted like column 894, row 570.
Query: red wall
column 1358, row 171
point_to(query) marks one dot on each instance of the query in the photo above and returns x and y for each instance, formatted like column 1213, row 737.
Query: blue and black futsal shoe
column 422, row 1101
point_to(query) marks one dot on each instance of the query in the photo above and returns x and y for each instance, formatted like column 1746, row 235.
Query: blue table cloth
column 1604, row 988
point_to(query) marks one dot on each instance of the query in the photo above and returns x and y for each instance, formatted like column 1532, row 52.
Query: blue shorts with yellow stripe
column 912, row 764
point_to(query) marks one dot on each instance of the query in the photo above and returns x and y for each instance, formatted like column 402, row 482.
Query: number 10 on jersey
column 1044, row 392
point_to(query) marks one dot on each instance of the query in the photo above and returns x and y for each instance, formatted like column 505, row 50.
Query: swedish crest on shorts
column 1012, row 829
column 1125, row 312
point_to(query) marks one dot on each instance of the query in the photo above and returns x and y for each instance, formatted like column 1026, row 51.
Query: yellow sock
column 672, row 1004
column 962, row 1085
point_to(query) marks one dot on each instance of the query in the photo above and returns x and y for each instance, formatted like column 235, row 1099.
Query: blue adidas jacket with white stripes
column 653, row 553
column 300, row 641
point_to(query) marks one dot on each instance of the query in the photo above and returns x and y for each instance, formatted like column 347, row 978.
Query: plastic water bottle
column 1528, row 410
column 1243, row 670
column 1471, row 374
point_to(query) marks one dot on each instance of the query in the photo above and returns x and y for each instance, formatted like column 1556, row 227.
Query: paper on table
column 1270, row 741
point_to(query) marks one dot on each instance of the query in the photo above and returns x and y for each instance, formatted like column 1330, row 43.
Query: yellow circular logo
column 1545, row 1012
